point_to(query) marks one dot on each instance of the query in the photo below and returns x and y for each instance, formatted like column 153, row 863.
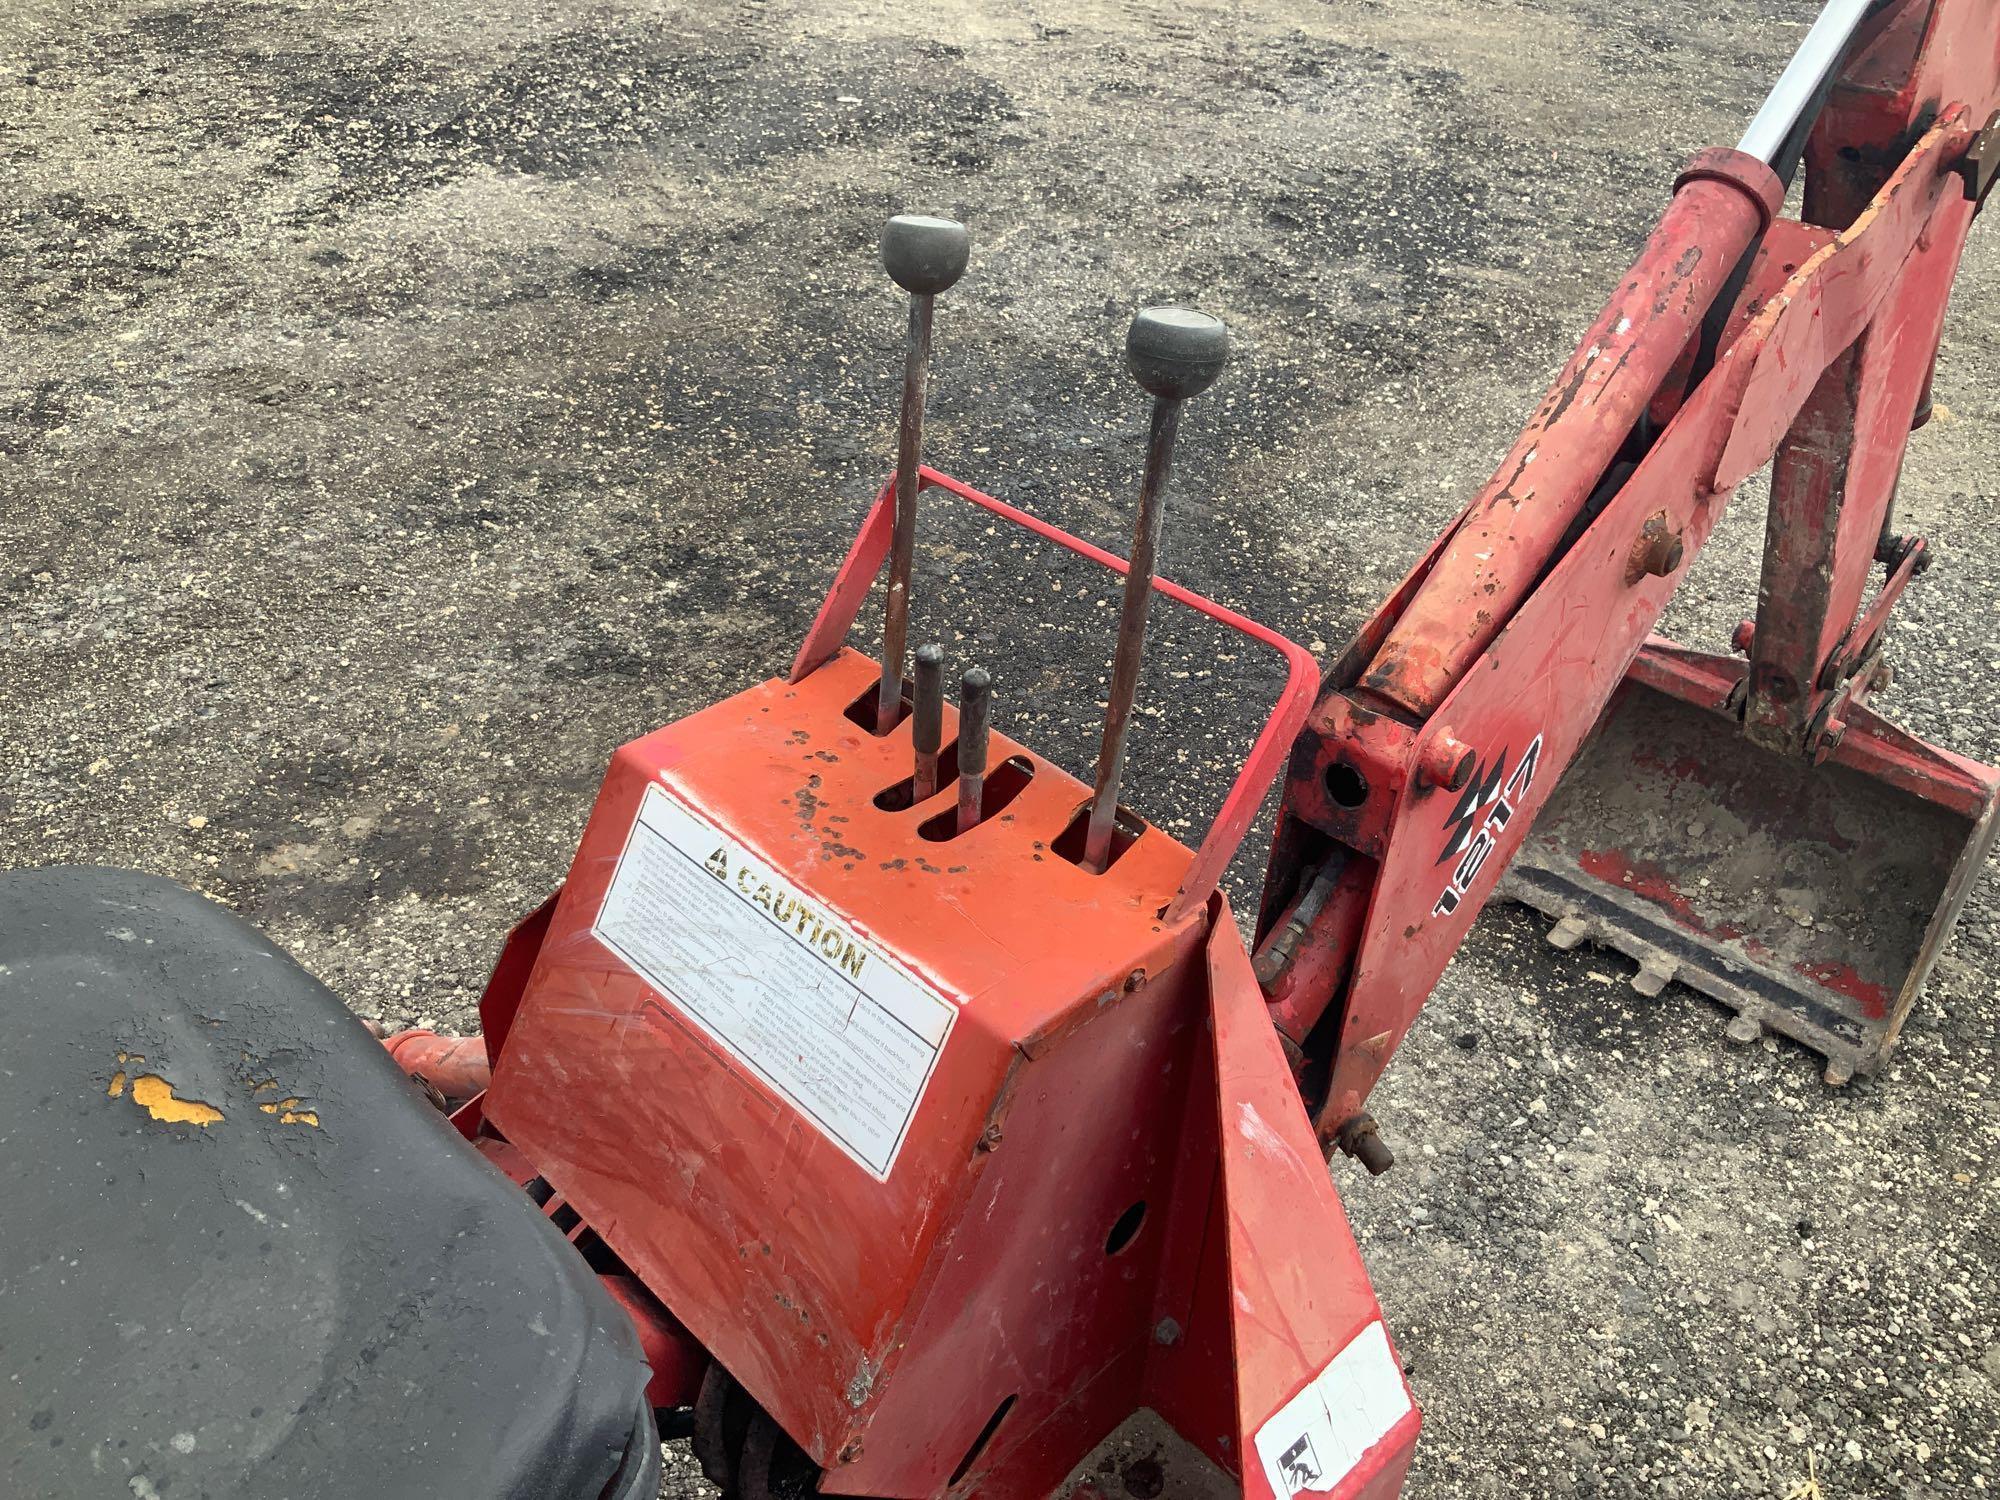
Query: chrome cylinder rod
column 1799, row 85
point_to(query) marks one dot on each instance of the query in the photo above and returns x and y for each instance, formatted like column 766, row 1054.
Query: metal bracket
column 1979, row 168
column 1905, row 558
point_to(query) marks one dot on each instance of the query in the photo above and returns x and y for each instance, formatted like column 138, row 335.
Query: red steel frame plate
column 812, row 1280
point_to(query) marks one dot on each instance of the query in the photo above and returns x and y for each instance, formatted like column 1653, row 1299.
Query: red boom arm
column 1456, row 711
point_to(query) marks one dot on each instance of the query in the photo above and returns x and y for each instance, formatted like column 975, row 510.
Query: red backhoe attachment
column 1749, row 826
column 921, row 1103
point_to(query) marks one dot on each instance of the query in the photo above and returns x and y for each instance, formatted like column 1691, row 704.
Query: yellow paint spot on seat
column 289, row 1113
column 117, row 1084
column 155, row 1095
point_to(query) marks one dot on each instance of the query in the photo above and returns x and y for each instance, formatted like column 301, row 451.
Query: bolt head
column 1448, row 762
column 924, row 255
column 1176, row 352
column 1657, row 551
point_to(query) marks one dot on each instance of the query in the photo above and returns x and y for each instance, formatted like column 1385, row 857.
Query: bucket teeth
column 1743, row 1030
column 1655, row 972
column 1568, row 934
column 1810, row 900
column 1653, row 976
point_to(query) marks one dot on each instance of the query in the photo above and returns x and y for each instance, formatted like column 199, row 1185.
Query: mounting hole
column 1126, row 1229
column 1347, row 786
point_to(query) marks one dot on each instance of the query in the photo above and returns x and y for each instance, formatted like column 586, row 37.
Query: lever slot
column 861, row 712
column 1004, row 783
column 898, row 797
column 1071, row 843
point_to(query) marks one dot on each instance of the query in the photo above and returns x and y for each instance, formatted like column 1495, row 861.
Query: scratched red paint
column 1872, row 998
column 1655, row 885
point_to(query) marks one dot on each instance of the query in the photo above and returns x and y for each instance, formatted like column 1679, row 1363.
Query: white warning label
column 781, row 981
column 1318, row 1436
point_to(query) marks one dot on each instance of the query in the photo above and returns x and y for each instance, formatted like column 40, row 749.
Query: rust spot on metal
column 1657, row 551
column 1562, row 404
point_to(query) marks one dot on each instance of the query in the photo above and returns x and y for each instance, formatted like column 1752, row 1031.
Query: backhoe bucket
column 1811, row 899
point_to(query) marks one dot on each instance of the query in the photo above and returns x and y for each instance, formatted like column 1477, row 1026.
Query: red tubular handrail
column 456, row 1066
column 1267, row 754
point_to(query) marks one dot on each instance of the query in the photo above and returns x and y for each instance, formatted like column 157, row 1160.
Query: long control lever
column 923, row 256
column 1174, row 353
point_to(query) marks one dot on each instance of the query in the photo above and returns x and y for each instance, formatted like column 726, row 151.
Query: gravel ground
column 407, row 403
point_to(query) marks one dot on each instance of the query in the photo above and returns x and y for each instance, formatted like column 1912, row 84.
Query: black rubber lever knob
column 924, row 255
column 1176, row 352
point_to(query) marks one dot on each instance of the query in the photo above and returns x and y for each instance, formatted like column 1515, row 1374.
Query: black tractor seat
column 243, row 1259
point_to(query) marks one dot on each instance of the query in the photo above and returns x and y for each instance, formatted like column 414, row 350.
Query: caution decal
column 781, row 981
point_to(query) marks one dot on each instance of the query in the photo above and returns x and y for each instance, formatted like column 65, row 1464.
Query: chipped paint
column 862, row 1386
column 155, row 1095
column 289, row 1113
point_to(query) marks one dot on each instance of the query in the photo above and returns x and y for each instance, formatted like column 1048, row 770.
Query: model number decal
column 1484, row 808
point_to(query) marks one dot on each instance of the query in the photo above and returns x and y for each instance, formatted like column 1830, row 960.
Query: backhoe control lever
column 923, row 256
column 1174, row 353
